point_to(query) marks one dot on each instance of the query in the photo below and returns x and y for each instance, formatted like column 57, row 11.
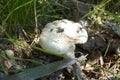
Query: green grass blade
column 46, row 51
column 116, row 18
column 40, row 71
column 16, row 9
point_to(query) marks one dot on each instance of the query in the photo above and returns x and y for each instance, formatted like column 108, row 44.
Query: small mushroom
column 60, row 36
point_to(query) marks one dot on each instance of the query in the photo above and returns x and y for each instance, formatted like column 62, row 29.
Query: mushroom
column 60, row 36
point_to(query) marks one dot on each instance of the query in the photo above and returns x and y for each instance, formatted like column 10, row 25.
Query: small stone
column 9, row 52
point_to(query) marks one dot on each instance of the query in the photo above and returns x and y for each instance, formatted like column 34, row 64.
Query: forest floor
column 102, row 48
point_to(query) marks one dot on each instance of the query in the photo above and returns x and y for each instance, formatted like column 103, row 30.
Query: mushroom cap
column 60, row 36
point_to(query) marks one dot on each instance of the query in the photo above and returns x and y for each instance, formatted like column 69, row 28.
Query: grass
column 16, row 12
column 28, row 14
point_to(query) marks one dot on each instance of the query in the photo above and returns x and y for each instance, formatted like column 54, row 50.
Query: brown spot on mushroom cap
column 51, row 30
column 78, row 30
column 60, row 30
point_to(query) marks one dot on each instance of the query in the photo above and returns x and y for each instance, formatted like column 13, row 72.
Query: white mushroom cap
column 61, row 36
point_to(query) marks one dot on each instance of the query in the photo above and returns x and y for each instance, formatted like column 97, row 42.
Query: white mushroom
column 60, row 36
